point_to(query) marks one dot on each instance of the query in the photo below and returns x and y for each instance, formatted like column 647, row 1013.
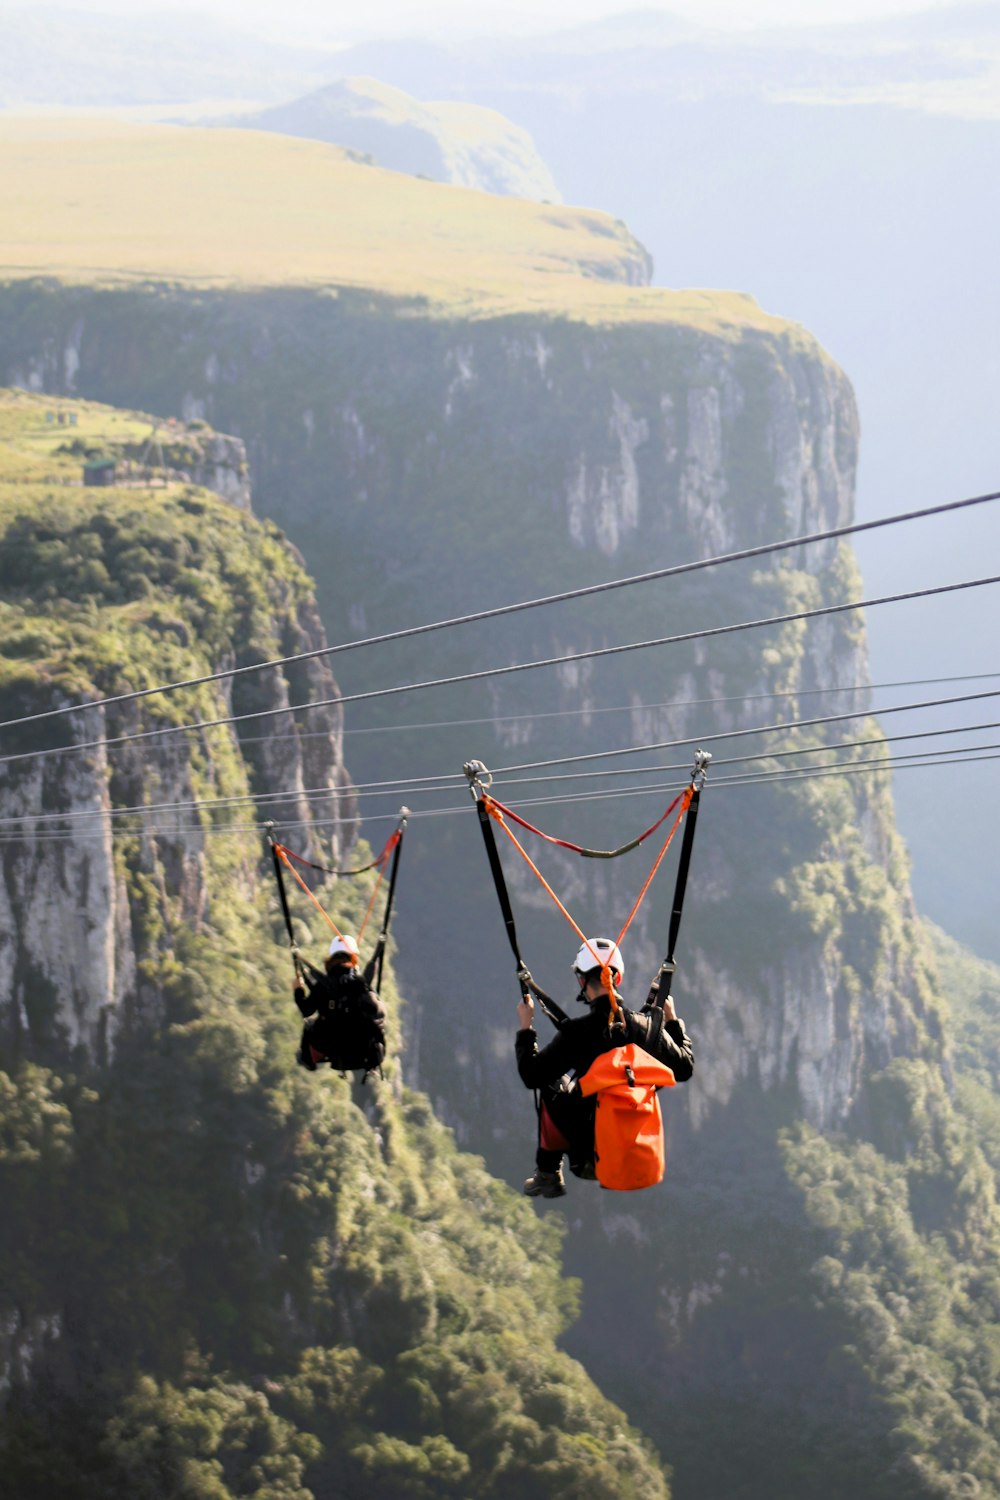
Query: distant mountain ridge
column 56, row 56
column 450, row 141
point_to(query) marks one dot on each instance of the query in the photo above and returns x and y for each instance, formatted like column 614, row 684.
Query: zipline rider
column 565, row 1117
column 345, row 1023
column 345, row 1018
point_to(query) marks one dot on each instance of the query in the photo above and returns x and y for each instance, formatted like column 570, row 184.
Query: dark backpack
column 349, row 1030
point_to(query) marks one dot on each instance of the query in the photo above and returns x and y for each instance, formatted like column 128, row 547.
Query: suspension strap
column 660, row 987
column 578, row 848
column 379, row 859
column 283, row 897
column 373, row 968
column 606, row 979
column 282, row 854
column 282, row 857
column 479, row 782
column 685, row 800
column 490, row 809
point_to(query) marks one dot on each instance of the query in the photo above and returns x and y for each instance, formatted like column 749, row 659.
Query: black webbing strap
column 546, row 1004
column 555, row 1013
column 283, row 897
column 373, row 968
column 660, row 987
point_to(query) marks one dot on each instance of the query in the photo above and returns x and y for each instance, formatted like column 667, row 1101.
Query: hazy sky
column 352, row 20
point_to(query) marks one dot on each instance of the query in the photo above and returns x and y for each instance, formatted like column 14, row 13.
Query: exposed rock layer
column 524, row 458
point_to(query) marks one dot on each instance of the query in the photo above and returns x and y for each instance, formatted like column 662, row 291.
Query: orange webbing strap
column 375, row 890
column 498, row 817
column 685, row 804
column 282, row 854
column 606, row 980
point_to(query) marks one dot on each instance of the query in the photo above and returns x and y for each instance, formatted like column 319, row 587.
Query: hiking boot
column 584, row 1170
column 545, row 1184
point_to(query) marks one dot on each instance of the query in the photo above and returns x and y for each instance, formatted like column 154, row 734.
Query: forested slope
column 808, row 1304
column 221, row 1275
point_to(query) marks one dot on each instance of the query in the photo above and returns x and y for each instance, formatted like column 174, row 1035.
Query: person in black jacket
column 566, row 1119
column 346, row 1018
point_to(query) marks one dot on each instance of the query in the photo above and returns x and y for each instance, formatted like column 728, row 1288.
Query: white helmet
column 344, row 945
column 606, row 951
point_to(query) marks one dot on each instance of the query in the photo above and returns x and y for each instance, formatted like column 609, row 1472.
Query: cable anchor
column 699, row 771
column 480, row 778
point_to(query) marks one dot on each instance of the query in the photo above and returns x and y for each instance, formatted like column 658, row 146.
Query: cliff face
column 784, row 1279
column 219, row 1272
column 467, row 465
column 105, row 832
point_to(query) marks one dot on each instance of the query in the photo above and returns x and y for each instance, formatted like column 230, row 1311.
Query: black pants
column 565, row 1126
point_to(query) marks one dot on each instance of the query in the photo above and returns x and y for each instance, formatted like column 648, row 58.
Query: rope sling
column 282, row 858
column 685, row 809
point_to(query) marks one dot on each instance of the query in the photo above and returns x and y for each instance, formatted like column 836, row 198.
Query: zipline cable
column 492, row 672
column 675, row 571
column 736, row 734
column 304, row 734
column 733, row 760
column 967, row 756
column 399, row 787
column 631, row 708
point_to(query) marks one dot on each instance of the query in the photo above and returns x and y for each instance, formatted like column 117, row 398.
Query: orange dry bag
column 628, row 1126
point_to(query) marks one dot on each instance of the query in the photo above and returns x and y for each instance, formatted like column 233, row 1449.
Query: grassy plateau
column 113, row 202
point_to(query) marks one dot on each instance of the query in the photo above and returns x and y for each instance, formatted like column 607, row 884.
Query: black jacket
column 322, row 991
column 348, row 1019
column 580, row 1041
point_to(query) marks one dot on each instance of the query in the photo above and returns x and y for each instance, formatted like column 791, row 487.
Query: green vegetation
column 911, row 1228
column 108, row 589
column 833, row 1287
column 450, row 455
column 895, row 1352
column 287, row 1288
column 973, row 990
column 222, row 1276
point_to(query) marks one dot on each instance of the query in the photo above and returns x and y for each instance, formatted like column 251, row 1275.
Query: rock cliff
column 507, row 458
column 104, row 829
column 428, row 466
column 217, row 1269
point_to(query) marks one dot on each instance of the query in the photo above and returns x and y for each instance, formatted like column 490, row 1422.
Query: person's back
column 566, row 1118
column 346, row 1025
